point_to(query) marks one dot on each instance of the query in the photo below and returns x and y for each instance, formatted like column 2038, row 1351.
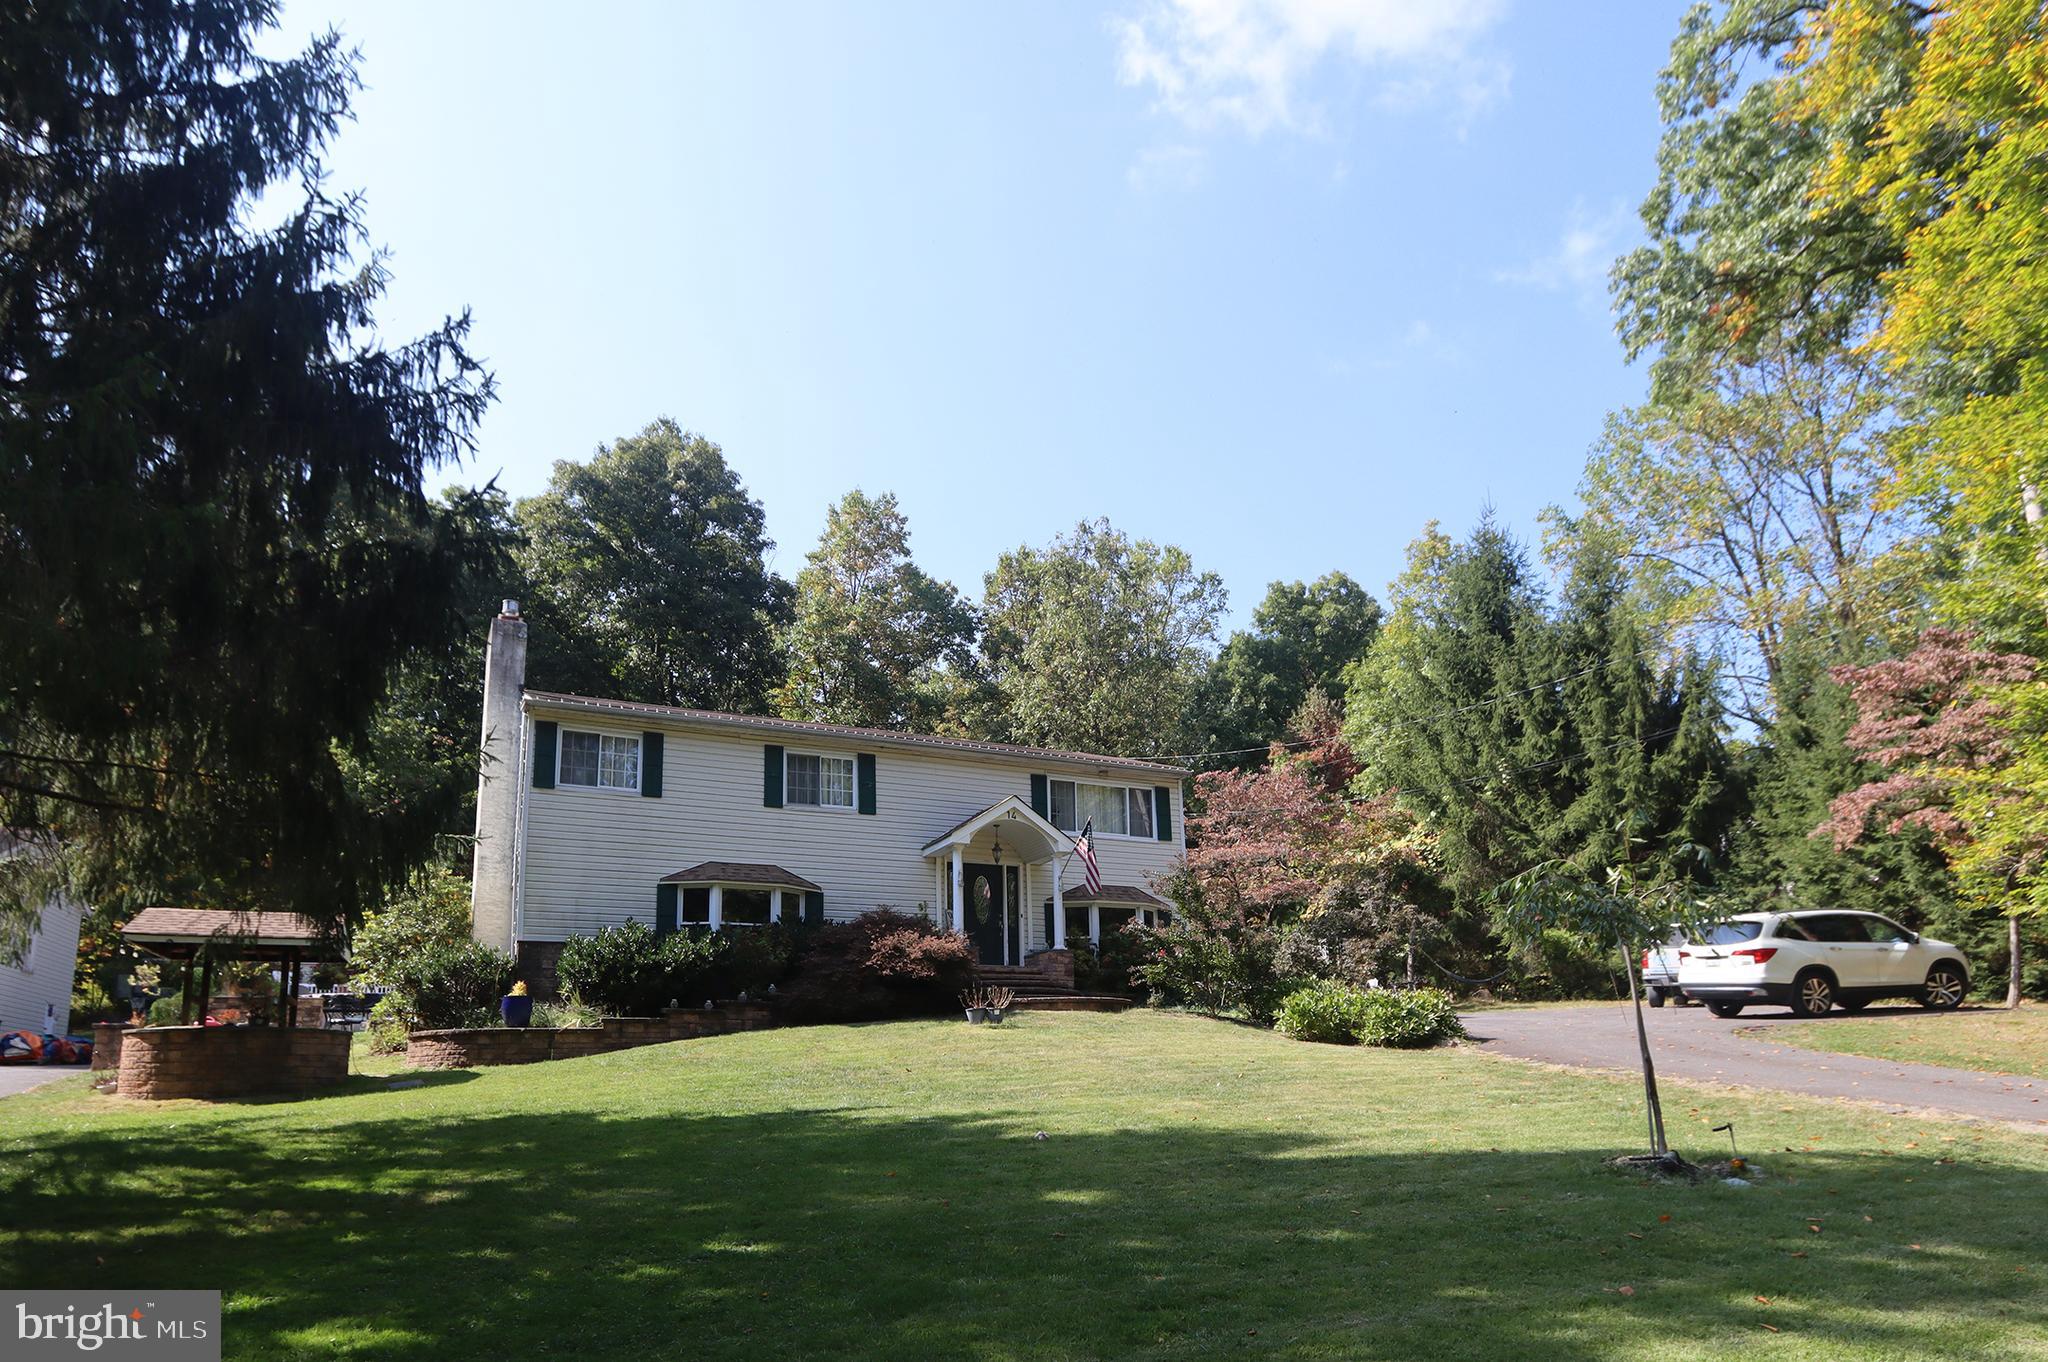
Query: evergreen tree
column 1524, row 736
column 218, row 546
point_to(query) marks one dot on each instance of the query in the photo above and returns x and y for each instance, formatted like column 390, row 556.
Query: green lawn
column 1142, row 1186
column 1992, row 1039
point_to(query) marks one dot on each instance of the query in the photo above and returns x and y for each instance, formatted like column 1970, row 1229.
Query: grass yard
column 1992, row 1039
column 1142, row 1186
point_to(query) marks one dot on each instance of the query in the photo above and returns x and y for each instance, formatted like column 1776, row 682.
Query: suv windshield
column 1730, row 933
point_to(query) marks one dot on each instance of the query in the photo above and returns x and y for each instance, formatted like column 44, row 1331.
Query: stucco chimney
column 498, row 787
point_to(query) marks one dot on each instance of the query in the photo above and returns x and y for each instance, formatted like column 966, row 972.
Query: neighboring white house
column 41, row 978
column 593, row 811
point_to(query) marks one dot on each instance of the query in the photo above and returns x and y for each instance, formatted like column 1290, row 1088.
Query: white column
column 1095, row 924
column 959, row 896
column 1029, row 908
column 717, row 907
column 1059, row 910
column 938, row 891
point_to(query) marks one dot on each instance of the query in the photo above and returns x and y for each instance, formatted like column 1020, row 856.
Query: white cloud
column 1243, row 62
column 1169, row 167
column 1579, row 262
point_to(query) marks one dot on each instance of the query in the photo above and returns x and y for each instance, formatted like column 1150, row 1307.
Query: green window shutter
column 864, row 781
column 650, row 765
column 544, row 754
column 1162, row 813
column 771, row 775
column 664, row 909
column 1048, row 921
column 1041, row 797
column 814, row 908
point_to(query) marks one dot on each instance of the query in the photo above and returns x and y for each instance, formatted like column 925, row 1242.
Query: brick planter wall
column 1056, row 966
column 159, row 1062
column 485, row 1046
column 106, row 1045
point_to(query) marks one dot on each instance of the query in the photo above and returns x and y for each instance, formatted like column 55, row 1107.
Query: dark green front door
column 985, row 910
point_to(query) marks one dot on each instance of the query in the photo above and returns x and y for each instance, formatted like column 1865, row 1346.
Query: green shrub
column 881, row 964
column 1571, row 967
column 387, row 1025
column 1325, row 1011
column 1124, row 953
column 621, row 971
column 432, row 913
column 164, row 1011
column 1409, row 1019
column 445, row 985
column 1339, row 1014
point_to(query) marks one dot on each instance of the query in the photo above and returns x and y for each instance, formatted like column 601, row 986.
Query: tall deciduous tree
column 1752, row 514
column 1303, row 636
column 648, row 576
column 873, row 639
column 1097, row 642
column 218, row 545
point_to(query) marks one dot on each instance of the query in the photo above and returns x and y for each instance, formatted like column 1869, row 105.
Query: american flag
column 1084, row 847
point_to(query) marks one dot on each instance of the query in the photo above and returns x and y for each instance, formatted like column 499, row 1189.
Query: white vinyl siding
column 599, row 761
column 1118, row 810
column 24, row 993
column 588, row 863
column 811, row 778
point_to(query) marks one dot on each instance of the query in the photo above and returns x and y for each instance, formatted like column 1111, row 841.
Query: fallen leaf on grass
column 1663, row 1219
column 1633, row 1235
column 1800, row 1254
column 1772, row 1327
column 1763, row 1300
column 1627, row 1290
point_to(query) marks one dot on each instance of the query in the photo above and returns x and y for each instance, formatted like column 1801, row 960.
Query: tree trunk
column 1656, row 1108
column 2012, row 944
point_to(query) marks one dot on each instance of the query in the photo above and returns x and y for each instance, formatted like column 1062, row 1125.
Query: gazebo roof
column 179, row 932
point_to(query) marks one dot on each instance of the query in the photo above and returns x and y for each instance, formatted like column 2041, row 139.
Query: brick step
column 1072, row 1002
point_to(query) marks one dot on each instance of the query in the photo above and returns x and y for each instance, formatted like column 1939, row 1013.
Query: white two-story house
column 591, row 812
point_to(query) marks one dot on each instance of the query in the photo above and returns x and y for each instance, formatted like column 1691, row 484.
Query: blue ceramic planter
column 516, row 1009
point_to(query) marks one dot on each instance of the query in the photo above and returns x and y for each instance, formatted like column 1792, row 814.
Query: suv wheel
column 1656, row 997
column 1725, row 1009
column 1813, row 993
column 1944, row 990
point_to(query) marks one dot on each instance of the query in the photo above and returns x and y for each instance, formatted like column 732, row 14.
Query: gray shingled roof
column 740, row 872
column 881, row 737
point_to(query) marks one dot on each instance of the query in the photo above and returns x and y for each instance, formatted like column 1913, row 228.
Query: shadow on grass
column 843, row 1234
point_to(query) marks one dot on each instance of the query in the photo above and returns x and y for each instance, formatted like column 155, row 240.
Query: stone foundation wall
column 159, row 1062
column 482, row 1047
column 536, row 966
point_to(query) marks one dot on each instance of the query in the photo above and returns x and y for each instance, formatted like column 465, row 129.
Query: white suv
column 1813, row 961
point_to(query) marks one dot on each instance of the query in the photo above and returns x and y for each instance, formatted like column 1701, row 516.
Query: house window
column 697, row 905
column 1118, row 810
column 819, row 781
column 599, row 761
column 745, row 907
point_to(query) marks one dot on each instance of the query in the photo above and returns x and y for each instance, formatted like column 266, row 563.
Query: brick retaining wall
column 158, row 1062
column 484, row 1046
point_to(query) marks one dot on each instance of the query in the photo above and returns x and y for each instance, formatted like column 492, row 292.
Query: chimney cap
column 511, row 610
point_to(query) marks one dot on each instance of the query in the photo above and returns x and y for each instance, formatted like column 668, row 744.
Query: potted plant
column 515, row 1007
column 998, row 1001
column 975, row 1000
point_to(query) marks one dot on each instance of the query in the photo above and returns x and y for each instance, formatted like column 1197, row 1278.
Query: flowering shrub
column 905, row 955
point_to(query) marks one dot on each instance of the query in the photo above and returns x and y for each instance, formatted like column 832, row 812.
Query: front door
column 986, row 904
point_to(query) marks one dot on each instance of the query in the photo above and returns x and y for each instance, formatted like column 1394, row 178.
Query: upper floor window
column 1120, row 810
column 821, row 781
column 599, row 761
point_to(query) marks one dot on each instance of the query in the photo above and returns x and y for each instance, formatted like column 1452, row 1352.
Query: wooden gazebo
column 205, row 935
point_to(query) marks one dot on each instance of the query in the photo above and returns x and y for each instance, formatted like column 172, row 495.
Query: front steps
column 1021, row 980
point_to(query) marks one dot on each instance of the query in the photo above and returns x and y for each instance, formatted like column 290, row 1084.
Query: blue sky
column 1276, row 280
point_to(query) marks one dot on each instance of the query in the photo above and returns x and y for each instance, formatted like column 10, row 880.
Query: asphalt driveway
column 16, row 1078
column 1691, row 1043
